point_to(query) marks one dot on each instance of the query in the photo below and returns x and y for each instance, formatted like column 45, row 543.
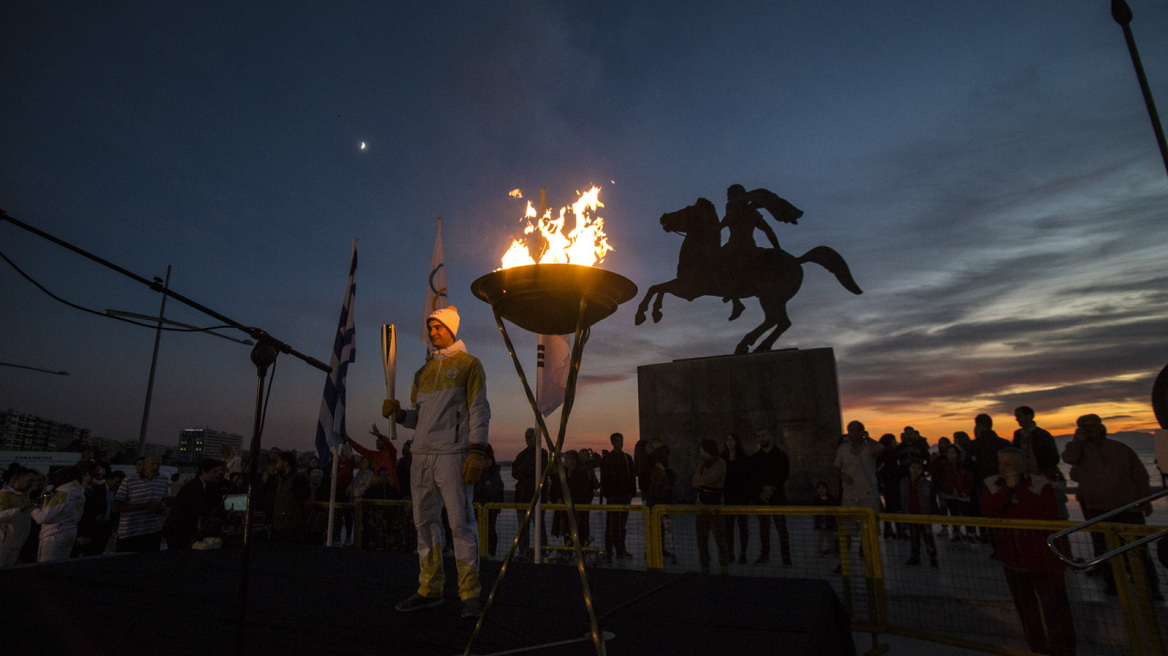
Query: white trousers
column 436, row 482
column 57, row 546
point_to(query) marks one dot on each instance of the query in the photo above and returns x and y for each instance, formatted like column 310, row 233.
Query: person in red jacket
column 1034, row 575
column 384, row 456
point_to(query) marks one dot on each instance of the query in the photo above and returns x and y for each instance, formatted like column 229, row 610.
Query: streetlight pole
column 153, row 366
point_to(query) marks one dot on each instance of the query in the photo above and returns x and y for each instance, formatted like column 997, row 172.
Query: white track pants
column 436, row 481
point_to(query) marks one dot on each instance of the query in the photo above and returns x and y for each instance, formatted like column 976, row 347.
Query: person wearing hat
column 450, row 416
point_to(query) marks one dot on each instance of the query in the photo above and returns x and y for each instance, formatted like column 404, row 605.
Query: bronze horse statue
column 703, row 270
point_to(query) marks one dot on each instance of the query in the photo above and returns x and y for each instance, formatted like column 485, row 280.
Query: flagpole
column 436, row 297
column 330, row 425
column 336, row 453
column 537, row 529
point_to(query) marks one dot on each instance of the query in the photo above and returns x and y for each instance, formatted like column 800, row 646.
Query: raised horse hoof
column 639, row 318
column 657, row 316
column 737, row 311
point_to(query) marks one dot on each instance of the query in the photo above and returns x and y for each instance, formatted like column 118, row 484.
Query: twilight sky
column 987, row 169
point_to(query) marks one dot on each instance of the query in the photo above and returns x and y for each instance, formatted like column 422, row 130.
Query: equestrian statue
column 739, row 268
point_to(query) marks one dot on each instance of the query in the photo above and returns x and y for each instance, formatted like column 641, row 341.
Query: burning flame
column 586, row 244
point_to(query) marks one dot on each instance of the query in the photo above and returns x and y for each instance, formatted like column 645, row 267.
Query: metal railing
column 1053, row 540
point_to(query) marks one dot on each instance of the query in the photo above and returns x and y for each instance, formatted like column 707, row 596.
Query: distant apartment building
column 21, row 432
column 197, row 443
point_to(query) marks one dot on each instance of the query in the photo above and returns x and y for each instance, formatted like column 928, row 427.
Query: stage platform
column 316, row 600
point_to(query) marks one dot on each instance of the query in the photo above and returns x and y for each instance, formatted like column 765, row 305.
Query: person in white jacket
column 59, row 513
column 15, row 517
column 450, row 416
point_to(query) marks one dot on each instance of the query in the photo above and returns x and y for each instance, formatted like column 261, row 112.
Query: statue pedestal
column 795, row 393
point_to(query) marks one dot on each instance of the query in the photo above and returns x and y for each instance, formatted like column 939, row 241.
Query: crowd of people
column 993, row 477
column 89, row 509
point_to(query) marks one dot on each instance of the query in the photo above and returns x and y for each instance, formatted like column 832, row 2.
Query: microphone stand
column 158, row 286
column 263, row 355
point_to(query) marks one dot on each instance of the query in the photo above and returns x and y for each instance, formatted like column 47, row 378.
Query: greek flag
column 330, row 427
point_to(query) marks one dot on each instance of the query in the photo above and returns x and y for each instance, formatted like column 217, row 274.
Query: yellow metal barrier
column 1132, row 628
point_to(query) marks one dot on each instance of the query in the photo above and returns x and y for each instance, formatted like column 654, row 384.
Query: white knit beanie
column 448, row 316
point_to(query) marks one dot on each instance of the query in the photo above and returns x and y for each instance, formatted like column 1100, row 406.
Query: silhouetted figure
column 660, row 490
column 1039, row 452
column 855, row 464
column 618, row 485
column 293, row 499
column 739, row 490
column 195, row 506
column 825, row 540
column 489, row 489
column 91, row 528
column 984, row 451
column 708, row 480
column 771, row 470
column 917, row 498
column 954, row 484
column 740, row 269
column 888, row 475
column 523, row 471
column 1110, row 475
column 580, row 487
column 740, row 254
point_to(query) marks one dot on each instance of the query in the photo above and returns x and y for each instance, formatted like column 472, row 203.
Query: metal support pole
column 153, row 367
column 581, row 336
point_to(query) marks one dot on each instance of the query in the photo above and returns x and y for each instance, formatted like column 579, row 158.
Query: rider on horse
column 740, row 256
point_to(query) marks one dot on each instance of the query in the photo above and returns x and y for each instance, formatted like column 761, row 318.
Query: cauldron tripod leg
column 581, row 336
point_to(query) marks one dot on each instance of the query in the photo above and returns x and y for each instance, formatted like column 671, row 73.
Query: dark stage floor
column 315, row 600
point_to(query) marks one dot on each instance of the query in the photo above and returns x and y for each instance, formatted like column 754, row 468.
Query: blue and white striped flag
column 330, row 427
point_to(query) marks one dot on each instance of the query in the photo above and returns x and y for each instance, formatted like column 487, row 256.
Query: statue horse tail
column 833, row 262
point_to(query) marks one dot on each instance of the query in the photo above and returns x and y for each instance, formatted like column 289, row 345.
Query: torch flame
column 586, row 244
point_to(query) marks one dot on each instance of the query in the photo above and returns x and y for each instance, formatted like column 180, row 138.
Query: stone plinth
column 795, row 393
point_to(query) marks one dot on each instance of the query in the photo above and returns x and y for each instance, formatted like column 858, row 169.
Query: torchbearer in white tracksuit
column 449, row 416
column 58, row 515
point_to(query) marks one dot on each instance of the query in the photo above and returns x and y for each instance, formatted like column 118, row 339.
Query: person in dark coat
column 983, row 451
column 489, row 489
column 771, row 470
column 293, row 501
column 194, row 505
column 91, row 533
column 738, row 490
column 523, row 471
column 618, row 485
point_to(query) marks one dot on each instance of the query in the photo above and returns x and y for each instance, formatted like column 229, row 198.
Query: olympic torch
column 389, row 360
